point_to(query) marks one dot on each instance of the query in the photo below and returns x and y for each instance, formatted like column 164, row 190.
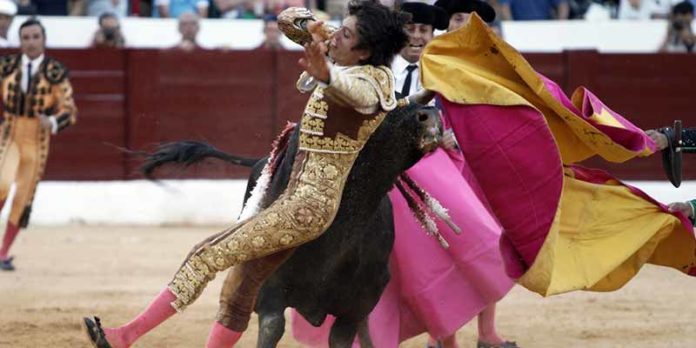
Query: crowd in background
column 242, row 9
column 679, row 38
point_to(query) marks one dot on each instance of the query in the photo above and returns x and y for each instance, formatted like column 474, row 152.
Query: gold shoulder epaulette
column 382, row 79
column 55, row 71
column 8, row 64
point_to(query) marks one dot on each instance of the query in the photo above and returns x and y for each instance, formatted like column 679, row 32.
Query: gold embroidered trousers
column 23, row 151
column 302, row 213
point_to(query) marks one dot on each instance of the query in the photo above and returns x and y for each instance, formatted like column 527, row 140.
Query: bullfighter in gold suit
column 37, row 102
column 351, row 94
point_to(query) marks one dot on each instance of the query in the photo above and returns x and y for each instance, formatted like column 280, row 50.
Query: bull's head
column 404, row 137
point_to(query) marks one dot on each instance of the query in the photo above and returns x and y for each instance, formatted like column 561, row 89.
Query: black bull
column 343, row 272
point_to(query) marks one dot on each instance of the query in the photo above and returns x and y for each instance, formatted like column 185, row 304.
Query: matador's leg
column 239, row 295
column 9, row 162
column 301, row 214
column 241, row 288
column 33, row 151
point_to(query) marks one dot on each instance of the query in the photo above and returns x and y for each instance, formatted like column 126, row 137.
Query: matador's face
column 342, row 44
column 32, row 41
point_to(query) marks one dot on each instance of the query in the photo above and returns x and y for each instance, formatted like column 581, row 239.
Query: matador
column 346, row 71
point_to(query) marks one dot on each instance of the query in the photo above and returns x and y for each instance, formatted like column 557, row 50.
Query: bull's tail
column 186, row 153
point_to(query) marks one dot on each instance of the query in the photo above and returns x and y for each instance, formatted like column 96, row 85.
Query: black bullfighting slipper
column 6, row 264
column 95, row 333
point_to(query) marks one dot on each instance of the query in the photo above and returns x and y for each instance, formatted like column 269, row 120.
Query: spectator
column 226, row 8
column 594, row 10
column 665, row 7
column 189, row 25
column 271, row 35
column 249, row 10
column 680, row 35
column 141, row 8
column 109, row 33
column 50, row 7
column 638, row 9
column 96, row 8
column 174, row 8
column 578, row 8
column 525, row 10
column 8, row 9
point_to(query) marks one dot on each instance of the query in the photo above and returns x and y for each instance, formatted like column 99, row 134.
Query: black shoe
column 6, row 264
column 95, row 333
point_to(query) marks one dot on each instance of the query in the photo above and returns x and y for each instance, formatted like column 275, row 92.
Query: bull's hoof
column 95, row 333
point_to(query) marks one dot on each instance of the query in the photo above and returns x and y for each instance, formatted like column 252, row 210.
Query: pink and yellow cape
column 565, row 227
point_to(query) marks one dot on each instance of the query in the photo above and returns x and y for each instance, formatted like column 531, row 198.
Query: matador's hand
column 314, row 62
column 45, row 122
column 659, row 138
column 682, row 207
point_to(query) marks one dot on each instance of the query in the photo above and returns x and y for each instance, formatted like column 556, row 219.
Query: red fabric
column 517, row 165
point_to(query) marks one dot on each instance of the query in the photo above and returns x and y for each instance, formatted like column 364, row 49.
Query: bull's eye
column 422, row 117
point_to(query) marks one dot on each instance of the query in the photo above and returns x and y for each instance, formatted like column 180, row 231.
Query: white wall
column 185, row 202
column 539, row 36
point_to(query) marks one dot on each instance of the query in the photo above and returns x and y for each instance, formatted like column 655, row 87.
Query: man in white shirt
column 8, row 9
column 425, row 19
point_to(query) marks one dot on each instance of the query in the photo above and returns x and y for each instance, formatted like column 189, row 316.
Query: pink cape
column 433, row 289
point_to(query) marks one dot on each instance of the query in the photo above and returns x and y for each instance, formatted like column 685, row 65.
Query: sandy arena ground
column 66, row 273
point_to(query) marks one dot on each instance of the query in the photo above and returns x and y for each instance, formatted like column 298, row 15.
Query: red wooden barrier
column 239, row 101
column 88, row 150
column 222, row 98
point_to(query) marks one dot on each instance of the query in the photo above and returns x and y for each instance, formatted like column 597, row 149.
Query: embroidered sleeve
column 66, row 114
column 354, row 89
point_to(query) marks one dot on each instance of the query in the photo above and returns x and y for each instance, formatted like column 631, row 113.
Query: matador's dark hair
column 32, row 21
column 380, row 30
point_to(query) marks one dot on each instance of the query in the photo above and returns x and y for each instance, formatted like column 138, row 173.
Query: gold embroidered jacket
column 341, row 116
column 51, row 93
